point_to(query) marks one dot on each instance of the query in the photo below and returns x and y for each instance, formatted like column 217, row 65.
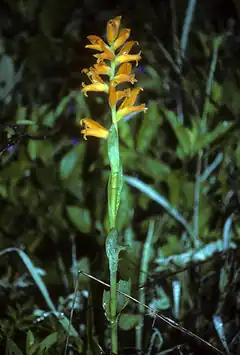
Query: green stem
column 115, row 185
column 113, row 310
column 197, row 200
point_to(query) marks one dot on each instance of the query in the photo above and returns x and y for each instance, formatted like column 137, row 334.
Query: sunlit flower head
column 115, row 63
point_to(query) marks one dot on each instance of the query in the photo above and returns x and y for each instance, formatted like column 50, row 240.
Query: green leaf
column 106, row 304
column 47, row 343
column 29, row 342
column 12, row 348
column 68, row 163
column 115, row 184
column 80, row 217
column 115, row 181
column 112, row 250
column 181, row 132
column 32, row 149
column 62, row 105
column 148, row 166
column 149, row 127
column 122, row 301
column 113, row 149
column 128, row 321
column 216, row 133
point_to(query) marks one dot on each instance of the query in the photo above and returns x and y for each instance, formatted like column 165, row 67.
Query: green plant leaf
column 122, row 301
column 70, row 161
column 128, row 321
column 106, row 304
column 12, row 348
column 80, row 217
column 47, row 343
column 181, row 132
column 29, row 342
column 154, row 168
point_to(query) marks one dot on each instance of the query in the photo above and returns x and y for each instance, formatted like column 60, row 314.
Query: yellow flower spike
column 122, row 38
column 129, row 110
column 93, row 128
column 113, row 28
column 128, row 58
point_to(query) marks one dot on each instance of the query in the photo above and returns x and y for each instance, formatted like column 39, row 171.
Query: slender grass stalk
column 183, row 46
column 186, row 30
column 208, row 90
column 197, row 200
column 146, row 254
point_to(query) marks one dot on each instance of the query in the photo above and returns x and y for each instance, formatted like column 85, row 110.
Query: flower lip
column 98, row 87
column 93, row 128
column 123, row 58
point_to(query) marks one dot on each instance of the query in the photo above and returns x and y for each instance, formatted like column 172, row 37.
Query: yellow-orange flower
column 113, row 61
column 127, row 107
column 112, row 29
column 97, row 83
column 93, row 128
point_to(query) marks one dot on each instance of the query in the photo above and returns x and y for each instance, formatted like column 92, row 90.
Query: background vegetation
column 179, row 215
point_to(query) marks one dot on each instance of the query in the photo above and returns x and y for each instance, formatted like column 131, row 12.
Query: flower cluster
column 114, row 63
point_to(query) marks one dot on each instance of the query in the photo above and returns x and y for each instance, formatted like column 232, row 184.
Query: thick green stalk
column 113, row 311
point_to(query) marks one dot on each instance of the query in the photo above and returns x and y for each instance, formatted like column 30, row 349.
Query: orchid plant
column 114, row 63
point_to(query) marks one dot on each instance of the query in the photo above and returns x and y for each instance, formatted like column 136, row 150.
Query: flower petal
column 102, row 68
column 97, row 43
column 127, row 47
column 121, row 78
column 107, row 54
column 95, row 78
column 122, row 38
column 93, row 128
column 113, row 28
column 129, row 110
column 125, row 68
column 115, row 96
column 99, row 87
column 128, row 58
column 131, row 99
